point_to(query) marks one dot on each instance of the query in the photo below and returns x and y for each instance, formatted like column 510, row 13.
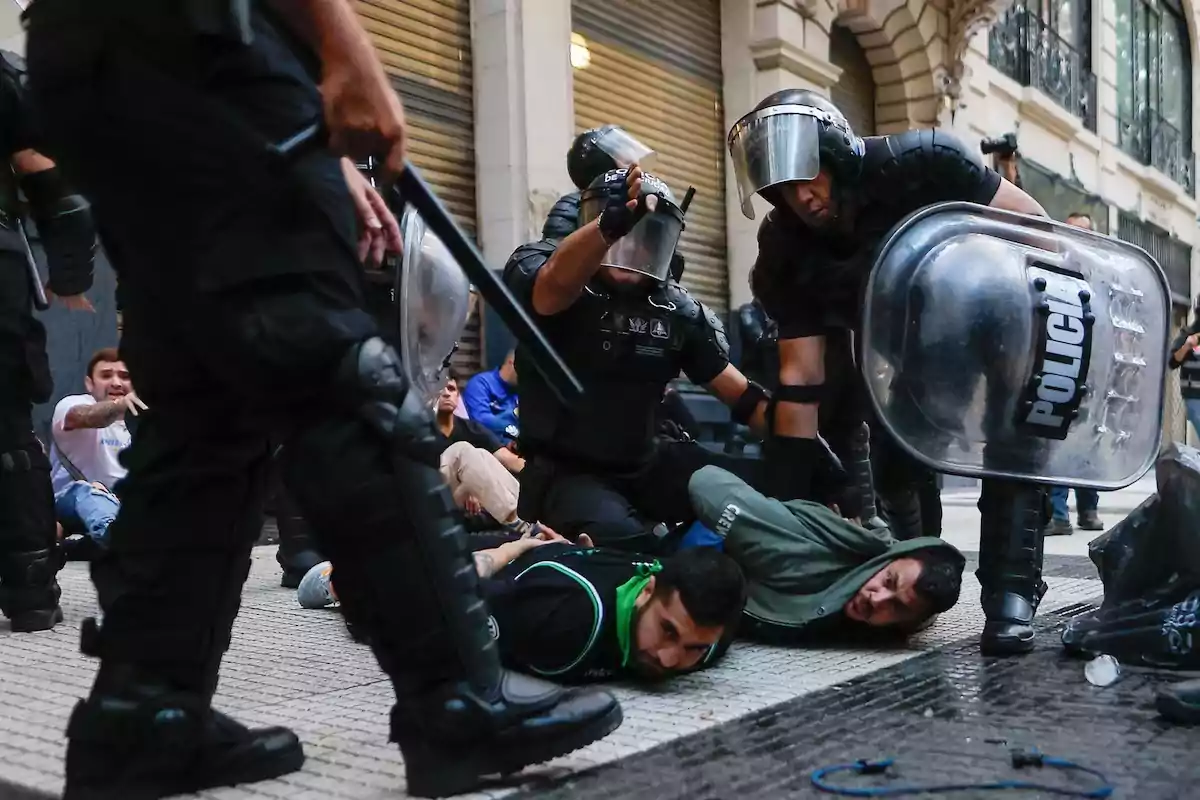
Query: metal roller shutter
column 854, row 92
column 662, row 83
column 425, row 46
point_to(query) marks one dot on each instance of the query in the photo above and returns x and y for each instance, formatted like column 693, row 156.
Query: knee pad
column 372, row 375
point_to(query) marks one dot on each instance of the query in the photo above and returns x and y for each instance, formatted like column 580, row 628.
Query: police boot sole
column 33, row 621
column 438, row 772
column 282, row 762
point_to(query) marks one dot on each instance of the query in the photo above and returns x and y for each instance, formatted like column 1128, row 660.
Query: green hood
column 802, row 561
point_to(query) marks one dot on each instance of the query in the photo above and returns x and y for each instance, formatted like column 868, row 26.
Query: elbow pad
column 67, row 231
column 743, row 410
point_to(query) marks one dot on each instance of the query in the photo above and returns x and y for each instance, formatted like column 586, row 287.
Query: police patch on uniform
column 493, row 628
column 638, row 325
column 659, row 329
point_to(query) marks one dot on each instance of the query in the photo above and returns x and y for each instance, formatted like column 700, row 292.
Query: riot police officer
column 244, row 321
column 606, row 299
column 29, row 558
column 834, row 196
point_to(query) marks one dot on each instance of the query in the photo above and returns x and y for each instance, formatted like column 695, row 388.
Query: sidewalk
column 289, row 666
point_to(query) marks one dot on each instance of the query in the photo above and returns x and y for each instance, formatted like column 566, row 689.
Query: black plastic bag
column 1159, row 542
column 1161, row 630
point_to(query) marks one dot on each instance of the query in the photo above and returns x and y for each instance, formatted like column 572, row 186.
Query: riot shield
column 998, row 345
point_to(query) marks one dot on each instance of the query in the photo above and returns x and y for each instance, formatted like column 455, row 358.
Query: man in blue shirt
column 491, row 400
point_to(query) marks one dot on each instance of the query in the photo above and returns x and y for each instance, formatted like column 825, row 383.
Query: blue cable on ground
column 1020, row 759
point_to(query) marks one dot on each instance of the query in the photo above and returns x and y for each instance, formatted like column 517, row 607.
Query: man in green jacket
column 809, row 572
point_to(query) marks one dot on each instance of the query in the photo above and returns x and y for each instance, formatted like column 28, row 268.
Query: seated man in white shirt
column 88, row 434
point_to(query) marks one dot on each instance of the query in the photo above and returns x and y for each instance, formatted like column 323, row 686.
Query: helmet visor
column 435, row 299
column 649, row 247
column 772, row 146
column 623, row 148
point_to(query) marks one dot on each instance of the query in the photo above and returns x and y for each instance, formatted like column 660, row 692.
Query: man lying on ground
column 811, row 573
column 581, row 613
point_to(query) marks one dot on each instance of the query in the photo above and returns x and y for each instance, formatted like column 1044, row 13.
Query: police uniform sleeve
column 520, row 273
column 546, row 617
column 63, row 218
column 706, row 353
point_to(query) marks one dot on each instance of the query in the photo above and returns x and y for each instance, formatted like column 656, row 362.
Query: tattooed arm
column 98, row 415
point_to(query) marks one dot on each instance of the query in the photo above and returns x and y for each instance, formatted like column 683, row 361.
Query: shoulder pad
column 913, row 154
column 715, row 328
column 563, row 219
column 529, row 258
column 685, row 305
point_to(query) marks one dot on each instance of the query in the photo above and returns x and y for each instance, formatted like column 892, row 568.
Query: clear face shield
column 435, row 300
column 774, row 145
column 648, row 249
column 623, row 148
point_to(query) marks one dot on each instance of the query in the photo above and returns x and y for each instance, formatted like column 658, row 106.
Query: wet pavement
column 949, row 717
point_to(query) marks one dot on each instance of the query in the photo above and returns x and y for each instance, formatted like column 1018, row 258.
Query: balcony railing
column 1152, row 140
column 1174, row 255
column 1027, row 50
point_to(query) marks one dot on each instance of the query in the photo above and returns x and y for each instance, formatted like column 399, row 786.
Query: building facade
column 1100, row 94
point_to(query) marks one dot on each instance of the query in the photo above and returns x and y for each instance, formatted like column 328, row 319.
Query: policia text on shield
column 235, row 293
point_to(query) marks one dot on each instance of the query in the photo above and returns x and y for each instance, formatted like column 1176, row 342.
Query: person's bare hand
column 131, row 403
column 363, row 113
column 72, row 302
column 380, row 231
column 472, row 505
column 1193, row 340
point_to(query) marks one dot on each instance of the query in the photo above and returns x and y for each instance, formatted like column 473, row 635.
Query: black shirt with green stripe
column 565, row 612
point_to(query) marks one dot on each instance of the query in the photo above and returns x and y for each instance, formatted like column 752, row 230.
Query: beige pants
column 472, row 471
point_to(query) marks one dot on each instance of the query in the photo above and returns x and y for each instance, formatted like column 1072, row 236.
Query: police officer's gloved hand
column 620, row 214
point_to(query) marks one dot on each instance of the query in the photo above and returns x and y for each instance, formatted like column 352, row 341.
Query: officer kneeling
column 605, row 299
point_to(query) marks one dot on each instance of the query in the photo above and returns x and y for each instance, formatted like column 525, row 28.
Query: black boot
column 29, row 590
column 1010, row 564
column 459, row 716
column 137, row 739
column 297, row 552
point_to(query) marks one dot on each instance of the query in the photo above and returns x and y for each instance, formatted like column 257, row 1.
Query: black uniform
column 28, row 559
column 596, row 468
column 811, row 284
column 555, row 611
column 244, row 319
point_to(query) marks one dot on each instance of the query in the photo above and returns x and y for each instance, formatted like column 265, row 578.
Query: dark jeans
column 616, row 509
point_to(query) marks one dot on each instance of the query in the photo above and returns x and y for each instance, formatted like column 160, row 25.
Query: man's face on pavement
column 666, row 638
column 109, row 380
column 447, row 401
column 890, row 596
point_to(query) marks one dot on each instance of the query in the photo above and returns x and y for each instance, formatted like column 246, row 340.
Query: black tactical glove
column 617, row 218
column 64, row 222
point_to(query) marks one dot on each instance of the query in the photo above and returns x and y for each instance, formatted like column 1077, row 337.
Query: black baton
column 411, row 188
column 40, row 301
